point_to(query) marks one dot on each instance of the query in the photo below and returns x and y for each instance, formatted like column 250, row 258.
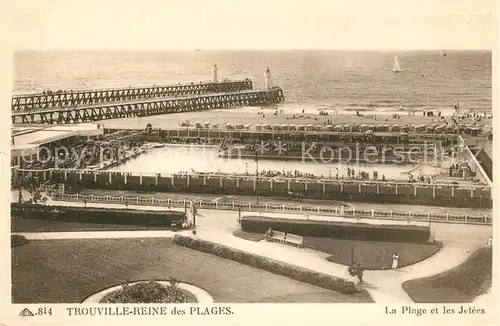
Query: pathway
column 384, row 286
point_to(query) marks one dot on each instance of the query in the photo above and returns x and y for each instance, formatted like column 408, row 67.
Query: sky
column 255, row 24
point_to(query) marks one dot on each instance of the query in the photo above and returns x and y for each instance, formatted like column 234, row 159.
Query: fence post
column 231, row 203
column 429, row 217
column 267, row 207
column 216, row 204
column 465, row 218
column 373, row 213
column 391, row 214
column 137, row 200
column 300, row 208
column 283, row 207
column 447, row 216
column 152, row 200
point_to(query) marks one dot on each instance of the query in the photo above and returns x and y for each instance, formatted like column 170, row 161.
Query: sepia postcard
column 216, row 162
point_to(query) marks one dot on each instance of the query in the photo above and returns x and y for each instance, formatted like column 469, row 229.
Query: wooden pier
column 143, row 108
column 64, row 99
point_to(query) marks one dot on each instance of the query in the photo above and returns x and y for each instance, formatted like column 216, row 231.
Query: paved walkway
column 384, row 286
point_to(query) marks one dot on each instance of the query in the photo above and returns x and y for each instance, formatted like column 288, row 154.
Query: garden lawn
column 459, row 285
column 68, row 271
column 370, row 254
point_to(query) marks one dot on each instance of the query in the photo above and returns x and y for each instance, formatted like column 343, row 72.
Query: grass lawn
column 370, row 254
column 459, row 285
column 68, row 271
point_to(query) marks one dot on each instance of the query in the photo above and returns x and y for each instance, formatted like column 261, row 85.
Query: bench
column 278, row 236
column 294, row 239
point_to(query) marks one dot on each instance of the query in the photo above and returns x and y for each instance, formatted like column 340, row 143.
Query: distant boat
column 396, row 68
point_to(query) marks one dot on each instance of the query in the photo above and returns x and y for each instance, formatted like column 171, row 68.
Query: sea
column 340, row 80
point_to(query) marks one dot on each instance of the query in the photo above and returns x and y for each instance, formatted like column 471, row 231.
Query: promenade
column 384, row 286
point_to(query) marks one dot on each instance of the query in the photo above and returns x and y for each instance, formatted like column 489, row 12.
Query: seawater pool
column 191, row 159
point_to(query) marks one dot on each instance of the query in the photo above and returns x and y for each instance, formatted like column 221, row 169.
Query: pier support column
column 172, row 178
column 80, row 176
column 359, row 186
column 220, row 182
column 471, row 192
column 452, row 191
column 305, row 185
column 65, row 175
column 188, row 180
column 324, row 187
column 271, row 184
column 45, row 176
column 341, row 187
column 378, row 188
column 109, row 177
column 288, row 183
column 415, row 190
column 156, row 180
column 95, row 176
column 140, row 179
column 434, row 191
column 237, row 182
column 396, row 188
column 205, row 180
column 254, row 184
column 125, row 178
column 50, row 174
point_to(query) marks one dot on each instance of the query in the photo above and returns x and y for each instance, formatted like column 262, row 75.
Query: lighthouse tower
column 214, row 73
column 267, row 75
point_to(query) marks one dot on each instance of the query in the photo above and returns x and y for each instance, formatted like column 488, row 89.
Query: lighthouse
column 214, row 73
column 267, row 75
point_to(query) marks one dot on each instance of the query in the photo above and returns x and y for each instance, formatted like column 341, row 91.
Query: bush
column 294, row 272
column 340, row 230
column 17, row 240
column 147, row 292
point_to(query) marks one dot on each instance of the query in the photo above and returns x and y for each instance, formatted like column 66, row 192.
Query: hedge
column 341, row 230
column 274, row 266
column 96, row 215
column 17, row 240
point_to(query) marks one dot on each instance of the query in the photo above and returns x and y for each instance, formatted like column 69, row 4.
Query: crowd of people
column 77, row 153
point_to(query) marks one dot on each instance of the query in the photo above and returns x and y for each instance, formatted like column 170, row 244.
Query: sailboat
column 396, row 68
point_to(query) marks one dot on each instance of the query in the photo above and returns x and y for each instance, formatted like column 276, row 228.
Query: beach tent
column 247, row 126
column 369, row 133
column 355, row 127
column 429, row 129
column 228, row 126
column 347, row 128
column 363, row 127
column 266, row 127
column 301, row 127
column 206, row 125
column 396, row 127
column 310, row 127
column 329, row 128
column 198, row 125
column 215, row 126
column 292, row 127
column 284, row 126
column 319, row 127
column 276, row 126
column 258, row 127
column 337, row 128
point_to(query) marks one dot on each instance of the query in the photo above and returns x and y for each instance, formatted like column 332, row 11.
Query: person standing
column 395, row 261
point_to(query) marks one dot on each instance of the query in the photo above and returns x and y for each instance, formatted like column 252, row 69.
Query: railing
column 294, row 209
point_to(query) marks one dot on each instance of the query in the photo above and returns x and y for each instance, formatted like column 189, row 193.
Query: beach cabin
column 284, row 126
column 247, row 126
column 228, row 126
column 310, row 127
column 206, row 125
column 292, row 127
column 266, row 127
column 396, row 127
column 363, row 128
column 347, row 128
column 258, row 127
column 337, row 128
column 198, row 125
column 329, row 128
column 301, row 127
column 276, row 127
column 215, row 126
column 355, row 127
column 238, row 126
